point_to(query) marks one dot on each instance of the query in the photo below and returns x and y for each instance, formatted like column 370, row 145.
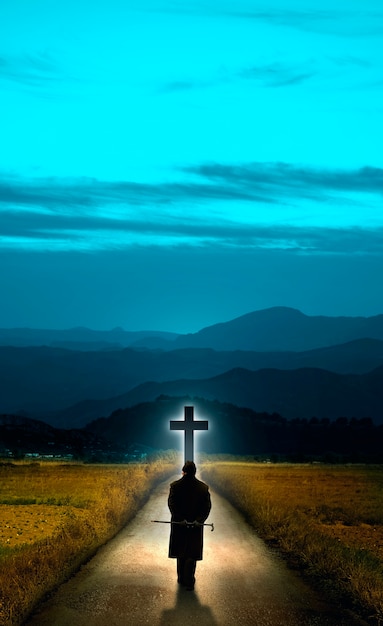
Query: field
column 326, row 520
column 54, row 516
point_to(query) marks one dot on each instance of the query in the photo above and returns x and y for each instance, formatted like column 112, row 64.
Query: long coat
column 189, row 499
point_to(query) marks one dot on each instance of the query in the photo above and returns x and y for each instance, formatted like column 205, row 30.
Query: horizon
column 153, row 176
column 159, row 330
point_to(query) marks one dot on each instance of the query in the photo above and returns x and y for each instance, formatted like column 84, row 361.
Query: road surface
column 240, row 582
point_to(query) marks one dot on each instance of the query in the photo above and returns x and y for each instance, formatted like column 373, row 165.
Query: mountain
column 282, row 329
column 69, row 387
column 229, row 426
column 144, row 428
column 302, row 393
column 277, row 329
column 40, row 379
column 236, row 430
column 85, row 339
column 21, row 435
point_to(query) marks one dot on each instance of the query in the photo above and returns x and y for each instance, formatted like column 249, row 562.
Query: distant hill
column 277, row 329
column 332, row 361
column 40, row 379
column 229, row 426
column 236, row 430
column 144, row 428
column 21, row 435
column 302, row 393
column 283, row 329
column 84, row 338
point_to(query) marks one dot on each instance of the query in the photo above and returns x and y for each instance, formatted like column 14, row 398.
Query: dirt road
column 131, row 582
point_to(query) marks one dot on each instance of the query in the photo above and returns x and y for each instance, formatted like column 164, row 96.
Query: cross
column 189, row 426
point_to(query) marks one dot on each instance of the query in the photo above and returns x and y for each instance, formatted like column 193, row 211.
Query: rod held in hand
column 183, row 523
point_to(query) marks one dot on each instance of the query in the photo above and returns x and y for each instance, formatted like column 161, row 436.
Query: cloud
column 97, row 236
column 66, row 195
column 351, row 61
column 347, row 23
column 275, row 179
column 38, row 70
column 250, row 182
column 276, row 75
column 353, row 19
column 253, row 205
column 268, row 75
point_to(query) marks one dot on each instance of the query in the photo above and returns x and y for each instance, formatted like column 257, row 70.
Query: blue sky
column 170, row 164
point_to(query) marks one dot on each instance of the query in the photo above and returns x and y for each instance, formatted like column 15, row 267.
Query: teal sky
column 173, row 164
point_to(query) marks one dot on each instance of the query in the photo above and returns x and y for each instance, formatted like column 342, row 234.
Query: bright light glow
column 196, row 433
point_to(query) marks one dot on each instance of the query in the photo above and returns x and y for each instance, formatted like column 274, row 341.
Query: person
column 190, row 504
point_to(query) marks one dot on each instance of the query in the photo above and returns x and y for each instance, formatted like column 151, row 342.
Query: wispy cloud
column 38, row 71
column 251, row 182
column 351, row 61
column 92, row 214
column 266, row 75
column 277, row 180
column 66, row 195
column 307, row 241
column 276, row 75
column 348, row 22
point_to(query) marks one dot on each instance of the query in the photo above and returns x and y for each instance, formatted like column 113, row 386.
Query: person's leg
column 189, row 573
column 181, row 571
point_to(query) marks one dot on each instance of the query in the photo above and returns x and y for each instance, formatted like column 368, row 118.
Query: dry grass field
column 54, row 516
column 326, row 520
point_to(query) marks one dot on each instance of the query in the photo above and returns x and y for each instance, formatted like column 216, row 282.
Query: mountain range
column 281, row 329
column 275, row 360
column 275, row 329
column 84, row 338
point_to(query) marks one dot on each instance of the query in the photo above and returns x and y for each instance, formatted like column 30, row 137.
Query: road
column 131, row 582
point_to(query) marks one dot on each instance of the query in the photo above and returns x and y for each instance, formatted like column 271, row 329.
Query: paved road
column 131, row 582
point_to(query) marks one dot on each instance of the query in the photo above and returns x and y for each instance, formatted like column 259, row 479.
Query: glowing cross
column 189, row 426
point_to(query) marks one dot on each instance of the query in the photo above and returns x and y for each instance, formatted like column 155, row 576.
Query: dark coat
column 189, row 499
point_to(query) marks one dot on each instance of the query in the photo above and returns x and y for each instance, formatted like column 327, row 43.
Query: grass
column 53, row 517
column 326, row 520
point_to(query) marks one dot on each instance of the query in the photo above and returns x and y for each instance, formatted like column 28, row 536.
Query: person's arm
column 173, row 505
column 205, row 508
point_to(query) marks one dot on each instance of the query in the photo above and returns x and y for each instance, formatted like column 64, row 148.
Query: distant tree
column 342, row 421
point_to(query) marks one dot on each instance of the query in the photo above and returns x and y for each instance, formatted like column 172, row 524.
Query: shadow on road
column 187, row 610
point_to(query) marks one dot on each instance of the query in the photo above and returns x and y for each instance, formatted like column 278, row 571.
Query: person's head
column 189, row 469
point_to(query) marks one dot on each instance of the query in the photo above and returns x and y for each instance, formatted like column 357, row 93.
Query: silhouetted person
column 189, row 503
